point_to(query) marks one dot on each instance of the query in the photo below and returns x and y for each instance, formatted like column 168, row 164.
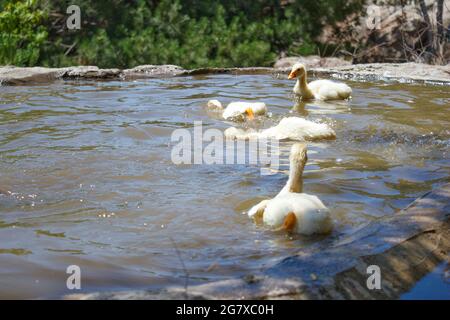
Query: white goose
column 239, row 111
column 291, row 128
column 318, row 89
column 292, row 210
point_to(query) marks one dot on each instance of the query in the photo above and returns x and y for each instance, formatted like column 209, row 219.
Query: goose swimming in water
column 318, row 89
column 291, row 210
column 239, row 111
column 290, row 128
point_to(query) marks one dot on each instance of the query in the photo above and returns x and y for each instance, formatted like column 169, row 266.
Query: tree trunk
column 439, row 20
column 431, row 46
column 440, row 37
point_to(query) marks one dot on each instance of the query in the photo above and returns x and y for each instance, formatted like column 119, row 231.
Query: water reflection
column 306, row 108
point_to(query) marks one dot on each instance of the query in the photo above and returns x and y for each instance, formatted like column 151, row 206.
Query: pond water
column 92, row 181
column 434, row 286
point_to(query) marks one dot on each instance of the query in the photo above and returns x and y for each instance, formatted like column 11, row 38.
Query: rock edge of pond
column 388, row 72
column 405, row 246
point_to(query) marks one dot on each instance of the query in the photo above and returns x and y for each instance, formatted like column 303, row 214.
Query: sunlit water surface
column 92, row 181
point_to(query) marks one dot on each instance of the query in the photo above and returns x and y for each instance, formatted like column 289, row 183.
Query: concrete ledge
column 390, row 72
column 406, row 246
column 11, row 75
column 152, row 71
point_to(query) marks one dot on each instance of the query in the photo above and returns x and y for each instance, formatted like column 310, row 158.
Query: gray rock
column 10, row 75
column 388, row 72
column 89, row 72
column 400, row 72
column 153, row 71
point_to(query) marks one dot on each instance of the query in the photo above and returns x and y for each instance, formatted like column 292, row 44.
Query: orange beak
column 292, row 75
column 250, row 113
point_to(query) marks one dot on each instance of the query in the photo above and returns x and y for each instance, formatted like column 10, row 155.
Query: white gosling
column 291, row 128
column 239, row 111
column 291, row 210
column 318, row 89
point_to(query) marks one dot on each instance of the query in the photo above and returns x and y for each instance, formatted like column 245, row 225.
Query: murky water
column 93, row 185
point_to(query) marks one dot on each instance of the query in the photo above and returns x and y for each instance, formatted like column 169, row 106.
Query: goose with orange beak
column 239, row 111
column 318, row 89
column 292, row 210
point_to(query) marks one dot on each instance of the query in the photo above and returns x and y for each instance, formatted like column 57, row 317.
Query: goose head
column 298, row 70
column 215, row 104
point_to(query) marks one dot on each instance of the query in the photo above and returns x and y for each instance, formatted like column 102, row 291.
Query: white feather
column 237, row 110
column 291, row 128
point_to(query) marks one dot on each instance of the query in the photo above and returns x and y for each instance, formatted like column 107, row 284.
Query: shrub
column 191, row 33
column 22, row 34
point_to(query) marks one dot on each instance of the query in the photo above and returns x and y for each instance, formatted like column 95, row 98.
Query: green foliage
column 22, row 34
column 190, row 33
